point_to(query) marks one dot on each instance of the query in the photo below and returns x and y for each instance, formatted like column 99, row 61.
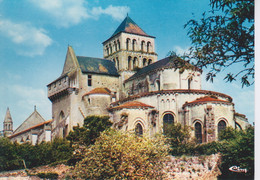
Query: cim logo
column 237, row 169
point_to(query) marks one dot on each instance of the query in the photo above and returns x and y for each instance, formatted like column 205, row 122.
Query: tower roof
column 129, row 26
column 8, row 117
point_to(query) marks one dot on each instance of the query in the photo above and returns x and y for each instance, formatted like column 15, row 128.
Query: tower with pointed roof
column 8, row 124
column 130, row 48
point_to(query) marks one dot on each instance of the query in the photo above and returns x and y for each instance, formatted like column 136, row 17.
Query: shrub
column 121, row 155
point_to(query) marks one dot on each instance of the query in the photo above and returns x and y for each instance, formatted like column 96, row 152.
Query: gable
column 34, row 119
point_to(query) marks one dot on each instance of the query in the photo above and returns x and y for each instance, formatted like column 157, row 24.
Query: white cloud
column 65, row 12
column 71, row 12
column 116, row 12
column 30, row 41
column 180, row 50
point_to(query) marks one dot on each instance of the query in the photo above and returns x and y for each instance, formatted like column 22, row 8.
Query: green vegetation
column 91, row 129
column 13, row 154
column 236, row 147
column 224, row 37
column 122, row 155
column 101, row 152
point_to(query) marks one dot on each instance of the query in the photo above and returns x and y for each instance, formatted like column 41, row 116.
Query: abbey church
column 140, row 93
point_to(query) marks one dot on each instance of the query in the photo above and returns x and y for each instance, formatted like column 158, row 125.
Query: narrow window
column 189, row 83
column 89, row 80
column 118, row 43
column 221, row 126
column 142, row 45
column 168, row 119
column 110, row 47
column 148, row 46
column 139, row 130
column 144, row 62
column 117, row 61
column 115, row 45
column 127, row 44
column 133, row 45
column 198, row 132
column 129, row 63
column 149, row 62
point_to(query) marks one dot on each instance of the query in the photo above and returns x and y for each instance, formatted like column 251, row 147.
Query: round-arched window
column 168, row 119
column 138, row 129
column 221, row 126
column 198, row 132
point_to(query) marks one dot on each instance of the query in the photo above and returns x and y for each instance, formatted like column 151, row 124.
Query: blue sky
column 34, row 36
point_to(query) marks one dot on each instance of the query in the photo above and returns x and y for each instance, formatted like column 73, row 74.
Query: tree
column 239, row 152
column 179, row 138
column 91, row 129
column 122, row 155
column 225, row 37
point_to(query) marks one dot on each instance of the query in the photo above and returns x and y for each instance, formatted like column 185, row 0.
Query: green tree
column 240, row 152
column 179, row 138
column 91, row 129
column 224, row 37
column 122, row 155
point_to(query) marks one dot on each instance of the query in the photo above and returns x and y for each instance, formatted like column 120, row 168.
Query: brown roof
column 206, row 99
column 33, row 127
column 99, row 91
column 133, row 104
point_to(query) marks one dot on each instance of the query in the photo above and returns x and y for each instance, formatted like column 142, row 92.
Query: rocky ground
column 182, row 168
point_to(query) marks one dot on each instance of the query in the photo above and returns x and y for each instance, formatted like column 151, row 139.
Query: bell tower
column 8, row 124
column 130, row 48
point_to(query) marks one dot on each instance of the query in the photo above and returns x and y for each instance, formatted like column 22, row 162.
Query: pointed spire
column 8, row 117
column 129, row 26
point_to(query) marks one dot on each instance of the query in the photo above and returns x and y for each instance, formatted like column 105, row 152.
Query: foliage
column 179, row 138
column 225, row 37
column 122, row 155
column 47, row 175
column 13, row 154
column 240, row 152
column 91, row 129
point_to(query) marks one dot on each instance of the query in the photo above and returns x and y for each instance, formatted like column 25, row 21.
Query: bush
column 92, row 127
column 13, row 154
column 47, row 175
column 121, row 155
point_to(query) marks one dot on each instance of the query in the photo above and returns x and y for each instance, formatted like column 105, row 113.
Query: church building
column 138, row 92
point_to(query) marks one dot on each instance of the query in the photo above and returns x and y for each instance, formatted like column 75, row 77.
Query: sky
column 34, row 36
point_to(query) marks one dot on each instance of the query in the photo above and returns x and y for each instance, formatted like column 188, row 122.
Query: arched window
column 148, row 46
column 189, row 82
column 198, row 132
column 144, row 62
column 115, row 45
column 133, row 44
column 149, row 61
column 158, row 85
column 61, row 116
column 129, row 63
column 221, row 126
column 127, row 43
column 168, row 119
column 107, row 50
column 138, row 129
column 9, row 126
column 135, row 62
column 110, row 47
column 118, row 44
column 117, row 61
column 142, row 45
column 237, row 126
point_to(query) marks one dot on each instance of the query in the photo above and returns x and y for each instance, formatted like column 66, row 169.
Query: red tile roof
column 98, row 91
column 33, row 127
column 133, row 104
column 206, row 99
